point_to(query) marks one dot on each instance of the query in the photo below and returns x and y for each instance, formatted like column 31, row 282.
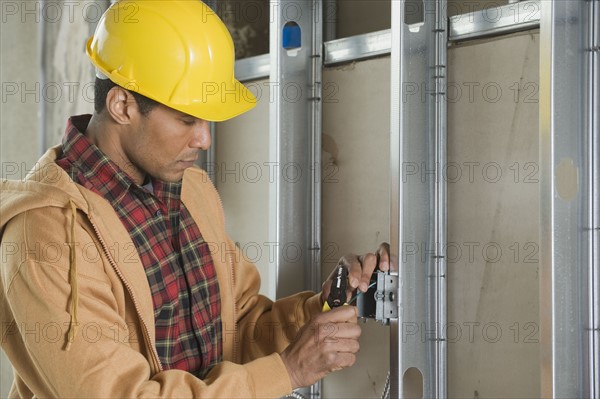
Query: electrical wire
column 386, row 388
column 360, row 292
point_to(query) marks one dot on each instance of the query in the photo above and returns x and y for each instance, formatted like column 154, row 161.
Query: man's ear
column 120, row 105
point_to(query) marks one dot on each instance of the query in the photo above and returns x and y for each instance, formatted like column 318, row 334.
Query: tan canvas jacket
column 76, row 309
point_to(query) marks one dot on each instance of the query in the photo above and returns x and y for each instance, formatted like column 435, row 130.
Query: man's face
column 165, row 142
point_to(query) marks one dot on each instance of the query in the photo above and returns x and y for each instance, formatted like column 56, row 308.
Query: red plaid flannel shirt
column 177, row 260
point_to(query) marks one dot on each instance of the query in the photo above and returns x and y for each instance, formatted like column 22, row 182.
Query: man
column 118, row 279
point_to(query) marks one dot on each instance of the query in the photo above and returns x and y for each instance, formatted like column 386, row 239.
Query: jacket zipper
column 230, row 262
column 236, row 332
column 145, row 330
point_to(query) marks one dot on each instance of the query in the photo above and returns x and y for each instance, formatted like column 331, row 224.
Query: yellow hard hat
column 178, row 53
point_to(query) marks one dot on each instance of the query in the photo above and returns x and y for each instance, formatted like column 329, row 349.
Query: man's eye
column 188, row 122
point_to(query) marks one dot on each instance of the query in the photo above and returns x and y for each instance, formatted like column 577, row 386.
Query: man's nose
column 201, row 137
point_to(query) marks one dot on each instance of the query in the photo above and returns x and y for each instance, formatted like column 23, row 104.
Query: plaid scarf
column 177, row 260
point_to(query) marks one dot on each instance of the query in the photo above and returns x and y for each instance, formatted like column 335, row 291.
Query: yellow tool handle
column 337, row 295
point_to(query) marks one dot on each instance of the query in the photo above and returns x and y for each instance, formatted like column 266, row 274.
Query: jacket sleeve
column 265, row 326
column 107, row 356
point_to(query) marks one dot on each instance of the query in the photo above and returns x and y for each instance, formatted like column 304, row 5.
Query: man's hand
column 360, row 269
column 328, row 343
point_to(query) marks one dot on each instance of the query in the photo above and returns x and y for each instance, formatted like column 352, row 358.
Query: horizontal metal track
column 492, row 21
column 495, row 21
column 252, row 68
column 358, row 47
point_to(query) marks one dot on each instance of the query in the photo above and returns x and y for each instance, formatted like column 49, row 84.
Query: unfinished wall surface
column 493, row 218
column 356, row 198
column 493, row 205
column 492, row 173
column 21, row 41
column 493, row 209
column 355, row 177
column 493, row 212
column 68, row 75
column 242, row 176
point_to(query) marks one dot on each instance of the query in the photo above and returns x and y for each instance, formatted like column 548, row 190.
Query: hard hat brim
column 215, row 102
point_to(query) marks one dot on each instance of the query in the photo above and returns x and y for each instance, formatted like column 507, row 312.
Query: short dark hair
column 103, row 86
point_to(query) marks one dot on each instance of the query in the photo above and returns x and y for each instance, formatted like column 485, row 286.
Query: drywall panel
column 21, row 91
column 356, row 199
column 493, row 218
column 68, row 75
column 242, row 175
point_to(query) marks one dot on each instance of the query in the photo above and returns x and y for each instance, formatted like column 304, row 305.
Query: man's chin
column 174, row 177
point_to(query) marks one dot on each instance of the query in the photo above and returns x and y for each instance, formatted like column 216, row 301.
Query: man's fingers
column 341, row 360
column 360, row 270
column 334, row 332
column 369, row 263
column 341, row 345
column 383, row 255
column 352, row 262
column 341, row 354
column 341, row 314
column 346, row 359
